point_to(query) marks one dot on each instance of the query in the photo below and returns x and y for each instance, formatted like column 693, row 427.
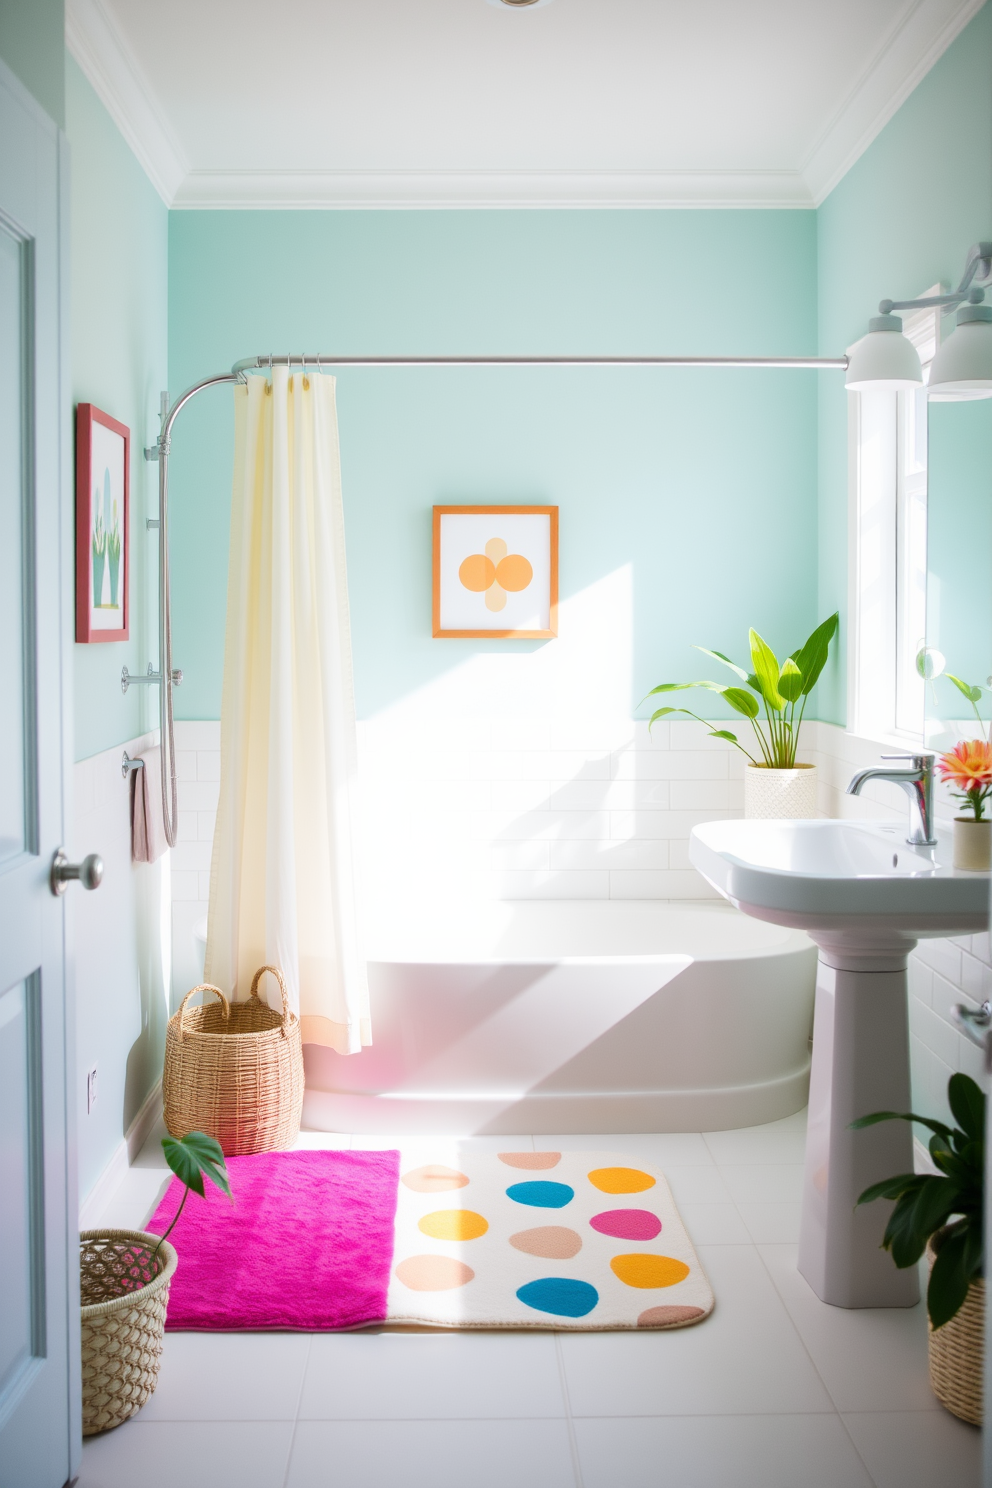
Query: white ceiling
column 321, row 103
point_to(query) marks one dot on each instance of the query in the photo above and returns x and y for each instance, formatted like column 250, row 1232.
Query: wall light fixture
column 885, row 360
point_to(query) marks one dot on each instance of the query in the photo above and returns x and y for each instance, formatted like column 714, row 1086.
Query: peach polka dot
column 434, row 1178
column 532, row 1160
column 554, row 1242
column 668, row 1317
column 433, row 1273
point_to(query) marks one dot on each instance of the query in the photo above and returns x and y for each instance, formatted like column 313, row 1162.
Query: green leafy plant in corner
column 926, row 1204
column 781, row 689
column 193, row 1158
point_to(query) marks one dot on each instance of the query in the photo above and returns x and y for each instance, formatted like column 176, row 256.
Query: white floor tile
column 714, row 1224
column 424, row 1376
column 745, row 1358
column 193, row 1454
column 416, row 1146
column 918, row 1451
column 321, row 1141
column 229, row 1377
column 719, row 1452
column 870, row 1359
column 697, row 1185
column 779, row 1142
column 431, row 1454
column 765, row 1183
column 134, row 1203
column 661, row 1149
column 771, row 1224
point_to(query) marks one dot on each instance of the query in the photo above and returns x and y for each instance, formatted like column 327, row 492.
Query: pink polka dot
column 627, row 1224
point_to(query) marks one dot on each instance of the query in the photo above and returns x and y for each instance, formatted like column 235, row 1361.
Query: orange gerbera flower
column 968, row 765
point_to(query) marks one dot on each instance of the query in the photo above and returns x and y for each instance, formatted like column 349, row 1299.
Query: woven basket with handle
column 235, row 1071
column 124, row 1295
column 957, row 1353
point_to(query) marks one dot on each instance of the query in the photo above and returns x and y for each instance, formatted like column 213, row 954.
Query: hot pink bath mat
column 306, row 1245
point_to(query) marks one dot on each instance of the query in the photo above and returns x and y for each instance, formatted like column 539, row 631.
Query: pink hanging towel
column 307, row 1244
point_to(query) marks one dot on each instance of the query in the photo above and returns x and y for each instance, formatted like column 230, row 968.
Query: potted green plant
column 967, row 770
column 775, row 783
column 942, row 1213
column 125, row 1277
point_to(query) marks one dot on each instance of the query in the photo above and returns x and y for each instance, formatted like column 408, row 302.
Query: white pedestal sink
column 865, row 896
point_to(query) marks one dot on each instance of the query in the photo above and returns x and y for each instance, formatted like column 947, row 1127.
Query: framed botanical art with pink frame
column 103, row 461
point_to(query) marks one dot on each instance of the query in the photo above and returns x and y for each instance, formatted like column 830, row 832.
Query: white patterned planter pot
column 789, row 794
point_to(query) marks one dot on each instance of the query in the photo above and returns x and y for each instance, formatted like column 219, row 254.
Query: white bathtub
column 575, row 1016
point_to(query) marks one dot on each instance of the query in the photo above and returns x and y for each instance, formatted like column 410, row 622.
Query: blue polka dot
column 541, row 1194
column 560, row 1295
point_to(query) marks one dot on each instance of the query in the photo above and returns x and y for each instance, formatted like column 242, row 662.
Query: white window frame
column 887, row 550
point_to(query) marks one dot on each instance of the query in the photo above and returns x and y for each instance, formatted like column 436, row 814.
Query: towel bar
column 128, row 764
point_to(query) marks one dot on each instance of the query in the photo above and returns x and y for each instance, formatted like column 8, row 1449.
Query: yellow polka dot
column 649, row 1270
column 453, row 1224
column 621, row 1180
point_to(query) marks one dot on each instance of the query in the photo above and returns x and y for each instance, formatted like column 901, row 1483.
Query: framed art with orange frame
column 496, row 572
column 103, row 556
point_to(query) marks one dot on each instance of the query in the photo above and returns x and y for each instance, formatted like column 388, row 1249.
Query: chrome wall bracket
column 151, row 676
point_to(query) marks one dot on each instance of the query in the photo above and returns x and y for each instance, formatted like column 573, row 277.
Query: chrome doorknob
column 89, row 872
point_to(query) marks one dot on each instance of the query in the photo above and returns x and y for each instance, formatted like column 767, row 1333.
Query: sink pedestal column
column 860, row 1065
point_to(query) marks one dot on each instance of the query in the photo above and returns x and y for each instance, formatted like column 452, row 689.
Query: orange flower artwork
column 495, row 573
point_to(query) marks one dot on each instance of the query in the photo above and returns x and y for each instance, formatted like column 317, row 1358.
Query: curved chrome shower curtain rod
column 166, row 678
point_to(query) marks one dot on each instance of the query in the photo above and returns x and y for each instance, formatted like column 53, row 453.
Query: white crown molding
column 918, row 40
column 112, row 70
column 317, row 190
column 919, row 37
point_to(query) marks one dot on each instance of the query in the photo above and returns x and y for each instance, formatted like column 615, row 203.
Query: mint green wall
column 901, row 219
column 703, row 481
column 119, row 284
column 32, row 43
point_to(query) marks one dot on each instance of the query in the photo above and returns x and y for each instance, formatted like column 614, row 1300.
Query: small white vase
column 972, row 844
column 789, row 794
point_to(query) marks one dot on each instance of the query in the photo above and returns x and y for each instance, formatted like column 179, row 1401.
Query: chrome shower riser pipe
column 167, row 674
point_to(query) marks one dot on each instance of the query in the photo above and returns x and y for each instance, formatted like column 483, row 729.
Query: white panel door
column 39, row 1341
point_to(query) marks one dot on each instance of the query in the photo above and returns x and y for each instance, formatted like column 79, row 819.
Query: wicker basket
column 957, row 1354
column 235, row 1071
column 124, row 1296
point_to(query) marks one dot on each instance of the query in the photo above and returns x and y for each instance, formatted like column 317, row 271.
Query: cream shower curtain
column 282, row 879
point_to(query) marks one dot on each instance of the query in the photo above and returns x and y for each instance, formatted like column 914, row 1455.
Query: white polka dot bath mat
column 581, row 1240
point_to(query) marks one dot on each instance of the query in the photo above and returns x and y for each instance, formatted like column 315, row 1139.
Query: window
column 889, row 548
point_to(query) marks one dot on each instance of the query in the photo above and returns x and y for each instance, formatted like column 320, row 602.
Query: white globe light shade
column 962, row 368
column 884, row 360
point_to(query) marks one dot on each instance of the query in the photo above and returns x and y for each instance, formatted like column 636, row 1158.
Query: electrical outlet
column 90, row 1090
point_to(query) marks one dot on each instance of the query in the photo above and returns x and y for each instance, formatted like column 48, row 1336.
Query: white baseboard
column 127, row 1149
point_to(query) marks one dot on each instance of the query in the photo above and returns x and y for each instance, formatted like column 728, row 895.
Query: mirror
column 959, row 572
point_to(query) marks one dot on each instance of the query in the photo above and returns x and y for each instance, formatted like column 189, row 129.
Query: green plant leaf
column 724, row 734
column 195, row 1157
column 719, row 656
column 741, row 701
column 662, row 713
column 790, row 681
column 811, row 658
column 766, row 670
column 890, row 1188
column 973, row 694
column 949, row 1280
column 967, row 1104
column 877, row 1116
column 923, row 1211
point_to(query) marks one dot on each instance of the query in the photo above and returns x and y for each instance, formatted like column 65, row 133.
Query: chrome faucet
column 918, row 785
